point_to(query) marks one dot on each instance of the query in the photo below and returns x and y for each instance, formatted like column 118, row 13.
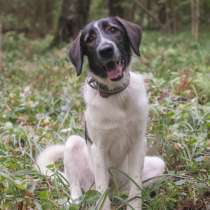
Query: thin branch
column 149, row 13
column 17, row 30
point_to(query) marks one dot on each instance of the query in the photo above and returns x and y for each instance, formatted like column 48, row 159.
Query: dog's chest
column 115, row 123
column 112, row 113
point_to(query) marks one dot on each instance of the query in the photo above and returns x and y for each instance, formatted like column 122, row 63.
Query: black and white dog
column 116, row 115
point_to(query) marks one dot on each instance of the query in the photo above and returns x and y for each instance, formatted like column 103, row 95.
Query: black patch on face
column 91, row 38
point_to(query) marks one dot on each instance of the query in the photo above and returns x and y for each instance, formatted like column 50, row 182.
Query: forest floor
column 41, row 104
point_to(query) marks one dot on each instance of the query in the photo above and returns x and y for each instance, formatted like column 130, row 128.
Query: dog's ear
column 76, row 54
column 134, row 33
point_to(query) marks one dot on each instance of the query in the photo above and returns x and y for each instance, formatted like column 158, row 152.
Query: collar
column 103, row 90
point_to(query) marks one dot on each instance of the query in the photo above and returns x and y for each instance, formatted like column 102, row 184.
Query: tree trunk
column 121, row 8
column 49, row 16
column 148, row 7
column 1, row 57
column 73, row 16
column 195, row 13
column 173, row 15
column 40, row 27
column 162, row 13
column 168, row 15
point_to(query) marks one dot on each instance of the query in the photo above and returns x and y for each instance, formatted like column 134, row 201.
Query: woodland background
column 65, row 18
column 41, row 104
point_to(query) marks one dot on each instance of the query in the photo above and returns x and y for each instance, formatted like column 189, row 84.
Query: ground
column 41, row 104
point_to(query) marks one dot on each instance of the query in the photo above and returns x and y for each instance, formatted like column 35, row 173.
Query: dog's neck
column 108, row 88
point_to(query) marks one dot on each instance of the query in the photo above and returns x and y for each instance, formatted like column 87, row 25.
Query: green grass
column 41, row 104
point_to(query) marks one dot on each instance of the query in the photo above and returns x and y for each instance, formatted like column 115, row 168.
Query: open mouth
column 115, row 69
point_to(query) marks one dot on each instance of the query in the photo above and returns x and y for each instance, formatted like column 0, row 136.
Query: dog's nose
column 106, row 51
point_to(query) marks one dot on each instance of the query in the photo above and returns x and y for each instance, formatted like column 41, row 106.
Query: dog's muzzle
column 112, row 64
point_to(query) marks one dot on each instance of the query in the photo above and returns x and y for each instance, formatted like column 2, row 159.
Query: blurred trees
column 122, row 8
column 160, row 14
column 64, row 18
column 73, row 16
column 36, row 18
column 195, row 13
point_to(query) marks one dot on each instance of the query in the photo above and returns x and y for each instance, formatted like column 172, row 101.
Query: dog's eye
column 91, row 38
column 112, row 29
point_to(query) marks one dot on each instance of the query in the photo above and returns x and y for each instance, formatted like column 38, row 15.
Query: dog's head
column 107, row 43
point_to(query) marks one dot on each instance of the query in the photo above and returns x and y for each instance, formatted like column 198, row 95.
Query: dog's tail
column 153, row 169
column 50, row 155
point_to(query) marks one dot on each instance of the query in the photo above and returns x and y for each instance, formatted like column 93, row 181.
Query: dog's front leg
column 135, row 166
column 101, row 173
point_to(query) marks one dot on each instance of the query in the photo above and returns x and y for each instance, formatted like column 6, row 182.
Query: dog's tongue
column 115, row 71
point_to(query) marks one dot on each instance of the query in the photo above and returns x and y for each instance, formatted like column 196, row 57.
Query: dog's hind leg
column 77, row 166
column 153, row 167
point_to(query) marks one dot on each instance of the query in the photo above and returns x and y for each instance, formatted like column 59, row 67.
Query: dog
column 116, row 116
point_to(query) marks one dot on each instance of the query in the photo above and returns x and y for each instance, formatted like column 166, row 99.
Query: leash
column 87, row 137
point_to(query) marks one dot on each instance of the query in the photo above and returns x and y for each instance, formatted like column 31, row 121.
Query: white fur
column 49, row 156
column 117, row 127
